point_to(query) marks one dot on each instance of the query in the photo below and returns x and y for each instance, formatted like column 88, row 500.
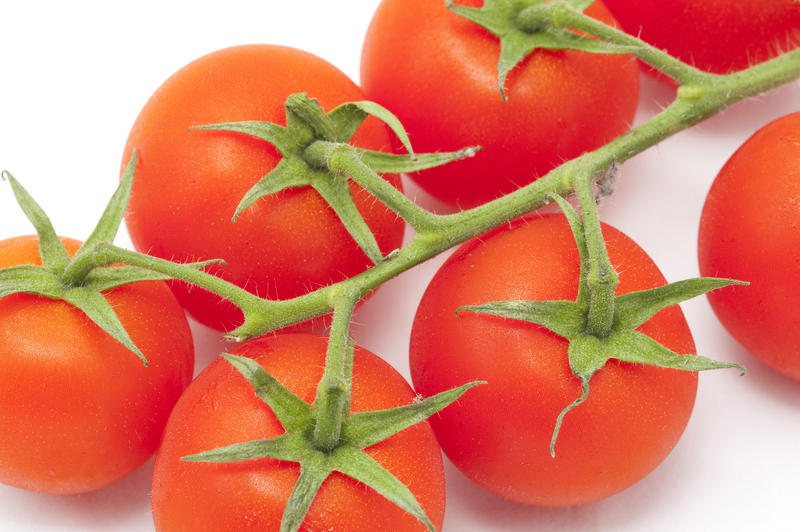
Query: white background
column 73, row 77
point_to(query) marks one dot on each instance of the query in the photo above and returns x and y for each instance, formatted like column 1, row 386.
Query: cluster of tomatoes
column 104, row 413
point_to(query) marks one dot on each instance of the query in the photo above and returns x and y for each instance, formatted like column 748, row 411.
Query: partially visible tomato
column 438, row 73
column 718, row 36
column 750, row 230
column 220, row 408
column 78, row 410
column 189, row 182
column 499, row 434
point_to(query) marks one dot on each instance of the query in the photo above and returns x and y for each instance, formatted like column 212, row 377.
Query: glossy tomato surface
column 221, row 408
column 499, row 434
column 750, row 230
column 78, row 410
column 714, row 35
column 189, row 182
column 438, row 73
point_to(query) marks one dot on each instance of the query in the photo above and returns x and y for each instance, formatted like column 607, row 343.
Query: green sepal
column 52, row 252
column 637, row 348
column 358, row 465
column 565, row 318
column 108, row 225
column 586, row 355
column 336, row 192
column 347, row 114
column 495, row 15
column 635, row 308
column 275, row 134
column 293, row 413
column 312, row 475
column 288, row 447
column 95, row 306
column 579, row 235
column 519, row 38
column 289, row 172
column 363, row 429
column 30, row 279
column 389, row 163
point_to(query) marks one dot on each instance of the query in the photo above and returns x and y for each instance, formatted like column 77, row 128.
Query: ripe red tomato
column 499, row 434
column 750, row 230
column 189, row 182
column 714, row 35
column 438, row 73
column 221, row 408
column 78, row 410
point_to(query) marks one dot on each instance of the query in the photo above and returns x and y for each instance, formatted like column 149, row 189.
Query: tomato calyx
column 359, row 430
column 315, row 152
column 80, row 280
column 589, row 350
column 526, row 25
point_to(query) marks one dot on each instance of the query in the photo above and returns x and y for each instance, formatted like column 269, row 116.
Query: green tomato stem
column 332, row 403
column 601, row 279
column 106, row 254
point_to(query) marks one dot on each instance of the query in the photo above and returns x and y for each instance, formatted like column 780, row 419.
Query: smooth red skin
column 750, row 230
column 499, row 433
column 718, row 36
column 438, row 73
column 78, row 410
column 189, row 182
column 220, row 408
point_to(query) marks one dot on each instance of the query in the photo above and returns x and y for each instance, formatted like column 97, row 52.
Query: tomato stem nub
column 332, row 403
column 601, row 279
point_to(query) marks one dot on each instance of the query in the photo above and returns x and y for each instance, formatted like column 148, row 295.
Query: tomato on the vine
column 750, row 230
column 499, row 434
column 438, row 73
column 189, row 182
column 718, row 36
column 78, row 410
column 220, row 408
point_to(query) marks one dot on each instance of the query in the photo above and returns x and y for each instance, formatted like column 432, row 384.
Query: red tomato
column 189, row 182
column 438, row 73
column 499, row 434
column 221, row 408
column 78, row 410
column 750, row 230
column 714, row 35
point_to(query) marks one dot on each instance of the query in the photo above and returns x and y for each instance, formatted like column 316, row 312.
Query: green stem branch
column 107, row 254
column 693, row 104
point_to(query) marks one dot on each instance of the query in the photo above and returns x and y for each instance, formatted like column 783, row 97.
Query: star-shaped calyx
column 525, row 25
column 587, row 351
column 315, row 152
column 345, row 455
column 80, row 280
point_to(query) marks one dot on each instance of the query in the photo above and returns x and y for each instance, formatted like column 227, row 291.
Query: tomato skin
column 438, row 73
column 78, row 409
column 718, row 36
column 749, row 231
column 189, row 182
column 220, row 408
column 499, row 434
